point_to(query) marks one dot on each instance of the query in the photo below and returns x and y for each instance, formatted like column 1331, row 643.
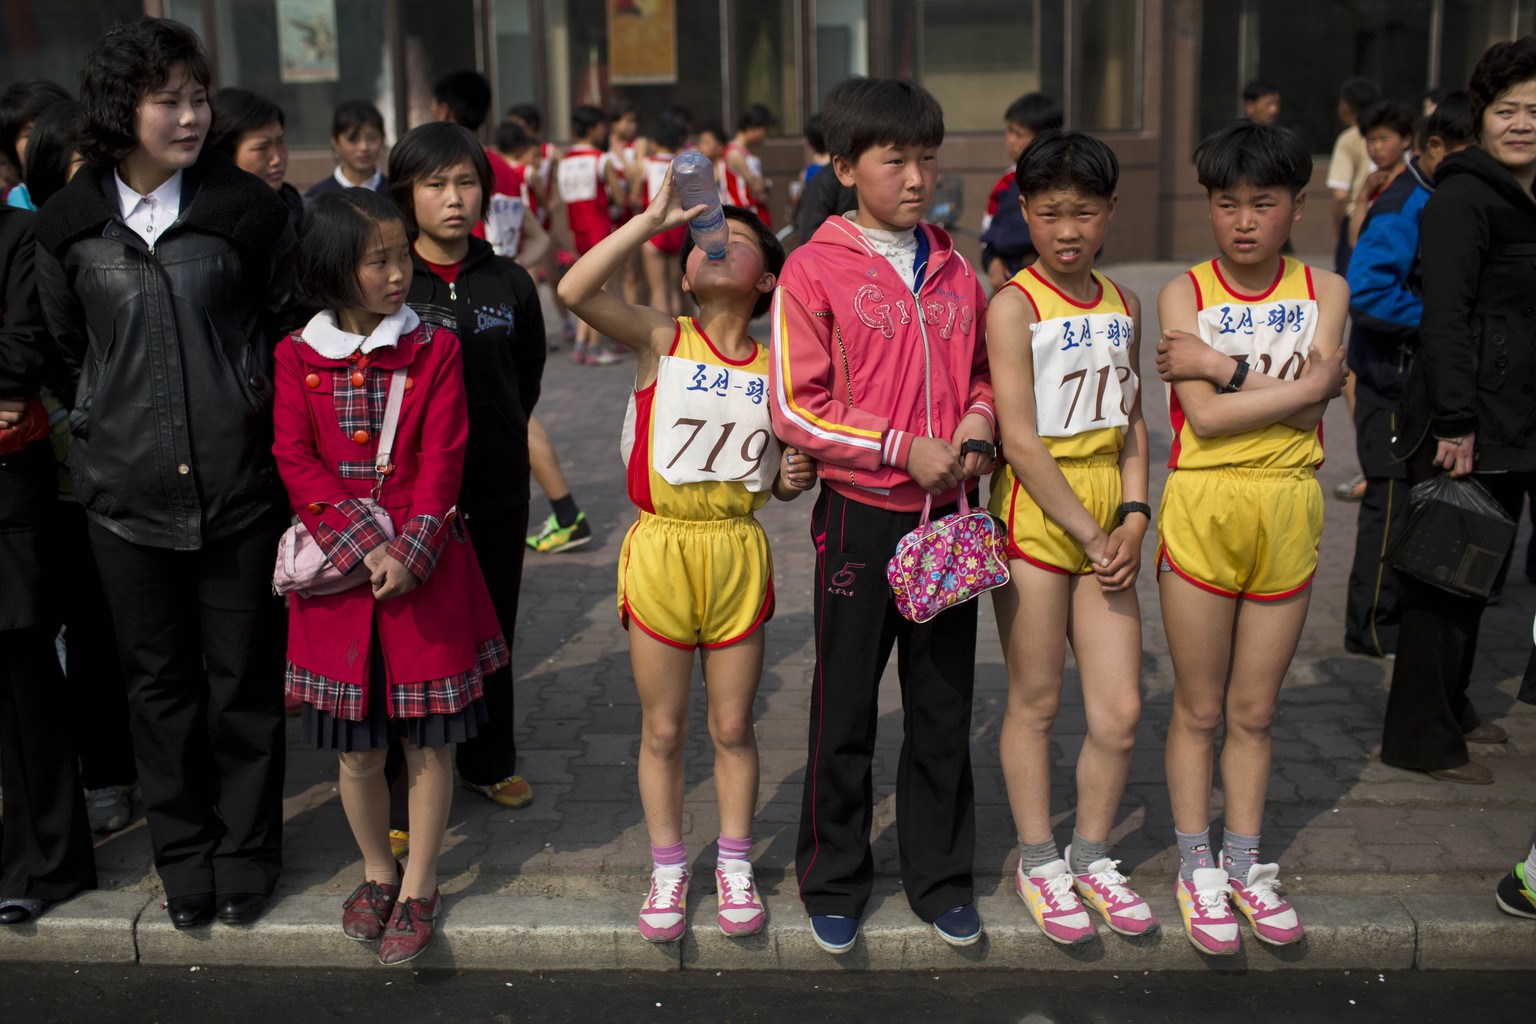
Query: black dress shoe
column 190, row 911
column 241, row 907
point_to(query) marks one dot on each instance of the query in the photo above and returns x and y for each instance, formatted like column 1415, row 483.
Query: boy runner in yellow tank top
column 695, row 572
column 1062, row 341
column 1251, row 348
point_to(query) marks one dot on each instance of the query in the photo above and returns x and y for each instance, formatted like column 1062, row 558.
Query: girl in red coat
column 402, row 655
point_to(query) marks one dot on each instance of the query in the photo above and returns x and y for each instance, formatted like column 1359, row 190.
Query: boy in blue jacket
column 1385, row 305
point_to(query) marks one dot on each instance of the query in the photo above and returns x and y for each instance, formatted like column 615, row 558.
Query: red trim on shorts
column 626, row 615
column 1067, row 298
column 1014, row 551
column 763, row 615
column 1284, row 593
column 1279, row 274
column 1164, row 556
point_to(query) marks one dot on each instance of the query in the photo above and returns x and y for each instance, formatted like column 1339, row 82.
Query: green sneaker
column 555, row 537
column 1514, row 893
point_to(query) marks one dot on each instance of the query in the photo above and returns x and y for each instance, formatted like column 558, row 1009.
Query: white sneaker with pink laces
column 664, row 917
column 741, row 910
column 1273, row 919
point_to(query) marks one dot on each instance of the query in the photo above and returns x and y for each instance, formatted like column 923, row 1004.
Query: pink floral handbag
column 947, row 562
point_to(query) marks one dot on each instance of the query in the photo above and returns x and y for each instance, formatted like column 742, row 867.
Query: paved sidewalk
column 1388, row 868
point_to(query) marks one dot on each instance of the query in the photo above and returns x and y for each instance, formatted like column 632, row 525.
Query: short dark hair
column 1393, row 115
column 767, row 241
column 1451, row 122
column 1261, row 155
column 585, row 118
column 1358, row 93
column 756, row 116
column 1068, row 160
column 512, row 137
column 1258, row 89
column 1035, row 111
column 352, row 116
column 237, row 111
column 814, row 136
column 338, row 226
column 121, row 69
column 713, row 128
column 682, row 113
column 466, row 94
column 425, row 150
column 528, row 114
column 863, row 112
column 23, row 101
column 1502, row 66
column 622, row 108
column 670, row 132
column 56, row 137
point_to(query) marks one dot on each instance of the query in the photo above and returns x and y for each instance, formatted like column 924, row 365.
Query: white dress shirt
column 149, row 215
column 373, row 182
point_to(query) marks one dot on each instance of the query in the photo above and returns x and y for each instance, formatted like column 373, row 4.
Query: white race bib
column 710, row 423
column 504, row 224
column 655, row 174
column 1272, row 336
column 578, row 177
column 1084, row 379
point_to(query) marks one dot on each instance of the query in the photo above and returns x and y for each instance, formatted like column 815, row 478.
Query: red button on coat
column 358, row 378
column 361, row 437
column 410, row 382
column 313, row 508
column 312, row 381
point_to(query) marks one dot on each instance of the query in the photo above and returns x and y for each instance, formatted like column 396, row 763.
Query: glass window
column 1107, row 66
column 50, row 40
column 763, row 64
column 514, row 55
column 976, row 56
column 580, row 57
column 842, row 43
column 1470, row 27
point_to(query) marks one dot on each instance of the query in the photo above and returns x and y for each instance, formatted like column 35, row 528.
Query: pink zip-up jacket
column 854, row 353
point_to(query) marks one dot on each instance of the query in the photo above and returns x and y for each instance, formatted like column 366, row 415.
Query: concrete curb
column 537, row 933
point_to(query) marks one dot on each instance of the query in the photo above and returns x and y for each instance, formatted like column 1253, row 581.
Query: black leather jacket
column 169, row 348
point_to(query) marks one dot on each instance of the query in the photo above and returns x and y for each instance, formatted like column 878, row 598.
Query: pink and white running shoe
column 1273, row 920
column 664, row 918
column 1104, row 889
column 1047, row 892
column 1208, row 919
column 741, row 910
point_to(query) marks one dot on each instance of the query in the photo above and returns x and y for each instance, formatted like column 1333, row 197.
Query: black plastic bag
column 1455, row 537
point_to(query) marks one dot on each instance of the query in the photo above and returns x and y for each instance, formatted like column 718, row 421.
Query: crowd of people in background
column 198, row 362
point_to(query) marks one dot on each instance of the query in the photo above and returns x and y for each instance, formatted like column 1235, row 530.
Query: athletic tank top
column 1272, row 332
column 697, row 442
column 1085, row 382
column 584, row 190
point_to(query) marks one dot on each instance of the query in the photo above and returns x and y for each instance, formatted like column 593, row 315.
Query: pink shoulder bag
column 303, row 567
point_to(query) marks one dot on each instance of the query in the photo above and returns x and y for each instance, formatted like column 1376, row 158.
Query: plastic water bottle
column 695, row 177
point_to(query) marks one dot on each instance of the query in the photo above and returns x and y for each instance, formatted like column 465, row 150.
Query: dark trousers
column 45, row 839
column 856, row 626
column 1428, row 712
column 1371, row 611
column 90, row 647
column 199, row 637
column 500, row 542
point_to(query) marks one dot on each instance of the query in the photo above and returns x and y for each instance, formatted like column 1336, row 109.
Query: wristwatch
column 1238, row 376
column 980, row 447
column 1138, row 506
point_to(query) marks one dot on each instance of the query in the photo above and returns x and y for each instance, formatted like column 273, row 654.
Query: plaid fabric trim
column 346, row 548
column 419, row 544
column 360, row 408
column 365, row 470
column 412, row 700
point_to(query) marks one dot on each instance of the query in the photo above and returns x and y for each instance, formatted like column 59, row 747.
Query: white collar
column 345, row 182
column 325, row 337
column 167, row 195
column 905, row 240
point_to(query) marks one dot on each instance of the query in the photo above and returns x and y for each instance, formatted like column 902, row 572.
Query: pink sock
column 669, row 856
column 734, row 849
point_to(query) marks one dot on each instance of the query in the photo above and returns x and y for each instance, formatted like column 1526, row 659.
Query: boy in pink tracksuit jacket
column 880, row 374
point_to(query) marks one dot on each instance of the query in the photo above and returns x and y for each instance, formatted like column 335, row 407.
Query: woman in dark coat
column 1469, row 403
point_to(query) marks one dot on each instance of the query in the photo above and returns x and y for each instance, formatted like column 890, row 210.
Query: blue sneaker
column 960, row 926
column 834, row 932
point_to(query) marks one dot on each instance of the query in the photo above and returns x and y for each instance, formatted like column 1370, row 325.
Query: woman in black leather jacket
column 163, row 271
column 1469, row 403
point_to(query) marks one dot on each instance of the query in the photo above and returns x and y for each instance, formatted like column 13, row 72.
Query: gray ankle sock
column 1033, row 855
column 1194, row 852
column 1239, row 853
column 1085, row 852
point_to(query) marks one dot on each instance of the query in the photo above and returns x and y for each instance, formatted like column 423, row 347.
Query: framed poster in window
column 642, row 42
column 307, row 44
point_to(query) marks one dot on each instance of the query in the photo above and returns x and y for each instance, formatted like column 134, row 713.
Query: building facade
column 1149, row 76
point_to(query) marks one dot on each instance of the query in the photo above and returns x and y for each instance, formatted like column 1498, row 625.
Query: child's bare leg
column 1199, row 629
column 1266, row 637
column 662, row 300
column 1032, row 625
column 429, row 778
column 1105, row 631
column 662, row 677
column 545, row 461
column 731, row 676
column 365, row 799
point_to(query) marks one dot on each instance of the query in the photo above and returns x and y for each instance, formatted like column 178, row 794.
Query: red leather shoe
column 409, row 930
column 366, row 912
